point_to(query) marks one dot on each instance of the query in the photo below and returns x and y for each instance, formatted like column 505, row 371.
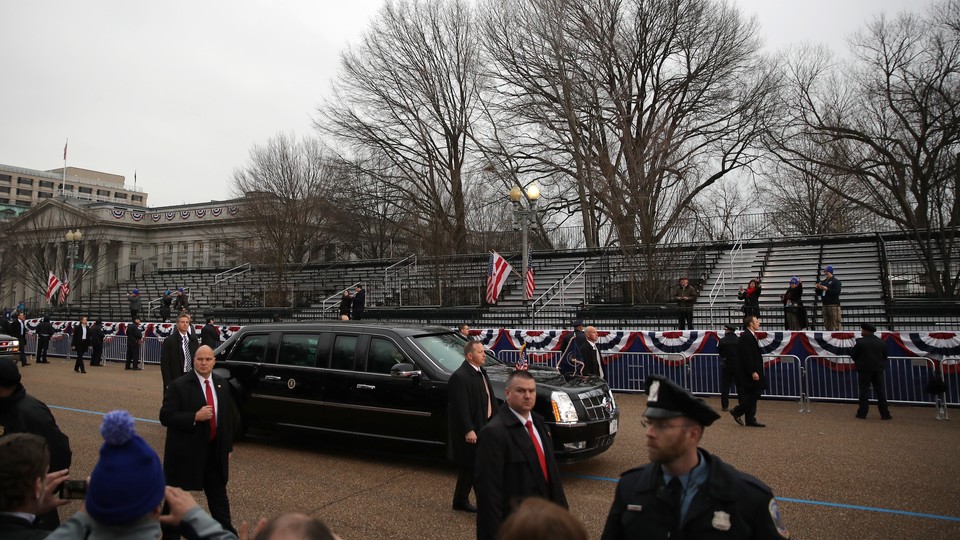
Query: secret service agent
column 686, row 492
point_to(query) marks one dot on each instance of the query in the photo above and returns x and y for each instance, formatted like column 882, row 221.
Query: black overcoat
column 750, row 361
column 467, row 411
column 870, row 354
column 171, row 355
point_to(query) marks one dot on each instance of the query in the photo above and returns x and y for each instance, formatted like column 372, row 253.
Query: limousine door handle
column 366, row 387
column 271, row 378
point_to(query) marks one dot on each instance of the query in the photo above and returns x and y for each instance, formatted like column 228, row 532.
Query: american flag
column 529, row 284
column 65, row 150
column 497, row 273
column 64, row 291
column 52, row 285
column 523, row 363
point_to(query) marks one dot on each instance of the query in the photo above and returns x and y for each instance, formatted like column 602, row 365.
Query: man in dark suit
column 24, row 461
column 359, row 302
column 177, row 351
column 727, row 351
column 870, row 357
column 471, row 406
column 18, row 329
column 751, row 380
column 210, row 334
column 96, row 343
column 45, row 332
column 79, row 343
column 592, row 359
column 134, row 339
column 197, row 412
column 514, row 458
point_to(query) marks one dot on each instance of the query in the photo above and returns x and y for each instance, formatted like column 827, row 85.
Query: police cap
column 868, row 327
column 666, row 399
column 730, row 328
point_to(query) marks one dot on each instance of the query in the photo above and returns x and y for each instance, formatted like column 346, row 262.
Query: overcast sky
column 179, row 91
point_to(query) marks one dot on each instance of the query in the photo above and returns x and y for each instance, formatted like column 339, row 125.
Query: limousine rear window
column 446, row 350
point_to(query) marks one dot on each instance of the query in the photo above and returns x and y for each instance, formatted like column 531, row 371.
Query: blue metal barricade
column 906, row 379
column 830, row 378
column 628, row 372
column 784, row 374
column 950, row 371
column 114, row 348
column 704, row 374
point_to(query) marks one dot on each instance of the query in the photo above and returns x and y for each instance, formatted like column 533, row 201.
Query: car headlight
column 563, row 409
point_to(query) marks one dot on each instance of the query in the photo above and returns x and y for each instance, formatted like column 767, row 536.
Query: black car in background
column 389, row 382
column 10, row 347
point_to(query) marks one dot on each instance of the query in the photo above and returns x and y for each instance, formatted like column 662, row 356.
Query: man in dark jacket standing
column 592, row 359
column 22, row 413
column 686, row 296
column 45, row 332
column 96, row 343
column 177, row 350
column 79, row 343
column 870, row 357
column 686, row 492
column 828, row 289
column 727, row 351
column 134, row 339
column 210, row 335
column 514, row 458
column 751, row 380
column 471, row 405
column 198, row 415
column 359, row 302
column 18, row 329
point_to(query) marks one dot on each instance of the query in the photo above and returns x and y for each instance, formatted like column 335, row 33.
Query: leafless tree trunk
column 887, row 128
column 287, row 186
column 408, row 92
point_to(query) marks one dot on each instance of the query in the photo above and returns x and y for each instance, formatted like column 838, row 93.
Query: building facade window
column 85, row 190
column 25, row 192
column 103, row 192
column 44, row 195
column 46, row 185
column 4, row 189
column 25, row 181
column 137, row 198
column 5, row 178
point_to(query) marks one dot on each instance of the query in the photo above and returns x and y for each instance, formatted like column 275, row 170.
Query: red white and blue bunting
column 184, row 215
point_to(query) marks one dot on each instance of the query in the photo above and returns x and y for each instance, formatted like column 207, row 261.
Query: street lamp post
column 526, row 214
column 73, row 252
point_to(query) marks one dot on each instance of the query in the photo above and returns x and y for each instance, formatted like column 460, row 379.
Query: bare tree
column 887, row 128
column 408, row 92
column 644, row 103
column 287, row 185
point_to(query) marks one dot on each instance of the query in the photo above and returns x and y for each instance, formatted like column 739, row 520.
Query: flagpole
column 63, row 177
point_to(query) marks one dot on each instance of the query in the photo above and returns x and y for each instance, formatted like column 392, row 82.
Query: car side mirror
column 405, row 371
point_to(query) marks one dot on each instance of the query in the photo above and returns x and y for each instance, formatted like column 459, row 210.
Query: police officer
column 870, row 357
column 685, row 492
column 727, row 350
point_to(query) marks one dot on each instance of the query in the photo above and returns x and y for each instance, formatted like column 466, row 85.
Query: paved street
column 875, row 477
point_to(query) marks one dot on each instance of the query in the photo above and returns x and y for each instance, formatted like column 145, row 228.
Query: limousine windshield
column 447, row 350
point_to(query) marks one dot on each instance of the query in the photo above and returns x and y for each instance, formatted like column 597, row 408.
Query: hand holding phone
column 73, row 489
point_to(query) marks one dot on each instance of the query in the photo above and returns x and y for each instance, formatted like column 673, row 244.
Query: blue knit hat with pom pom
column 127, row 483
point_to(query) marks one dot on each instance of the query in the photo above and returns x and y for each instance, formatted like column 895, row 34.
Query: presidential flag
column 497, row 272
column 53, row 284
column 524, row 363
column 529, row 284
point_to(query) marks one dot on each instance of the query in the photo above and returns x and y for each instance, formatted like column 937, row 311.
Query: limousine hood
column 548, row 377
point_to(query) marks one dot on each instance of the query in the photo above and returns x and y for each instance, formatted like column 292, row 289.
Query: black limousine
column 389, row 382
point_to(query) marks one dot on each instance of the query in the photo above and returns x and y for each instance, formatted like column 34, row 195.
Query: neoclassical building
column 117, row 243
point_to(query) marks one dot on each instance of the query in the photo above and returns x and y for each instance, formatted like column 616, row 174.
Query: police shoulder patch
column 777, row 518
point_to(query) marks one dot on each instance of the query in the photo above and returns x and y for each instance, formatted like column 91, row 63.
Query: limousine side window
column 344, row 352
column 251, row 349
column 298, row 350
column 383, row 355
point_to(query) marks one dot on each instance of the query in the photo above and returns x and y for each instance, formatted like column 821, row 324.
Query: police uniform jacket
column 210, row 336
column 134, row 335
column 467, row 411
column 750, row 361
column 188, row 442
column 870, row 354
column 45, row 329
column 508, row 470
column 727, row 350
column 729, row 505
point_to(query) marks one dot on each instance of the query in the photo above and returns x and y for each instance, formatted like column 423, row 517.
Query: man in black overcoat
column 174, row 360
column 134, row 339
column 45, row 332
column 870, row 357
column 199, row 441
column 751, row 381
column 514, row 458
column 210, row 335
column 471, row 405
column 18, row 329
column 727, row 351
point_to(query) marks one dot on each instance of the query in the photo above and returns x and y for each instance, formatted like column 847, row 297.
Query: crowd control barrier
column 114, row 348
column 547, row 359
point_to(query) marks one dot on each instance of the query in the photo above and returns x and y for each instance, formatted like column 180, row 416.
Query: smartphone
column 73, row 489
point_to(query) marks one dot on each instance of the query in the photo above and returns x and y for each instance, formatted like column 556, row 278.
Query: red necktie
column 213, row 419
column 540, row 456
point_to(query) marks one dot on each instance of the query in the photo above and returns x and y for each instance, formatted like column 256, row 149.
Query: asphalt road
column 836, row 477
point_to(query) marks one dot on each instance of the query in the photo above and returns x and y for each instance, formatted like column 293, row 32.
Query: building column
column 123, row 262
column 102, row 271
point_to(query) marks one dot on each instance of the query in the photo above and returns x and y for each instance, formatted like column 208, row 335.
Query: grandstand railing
column 559, row 288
